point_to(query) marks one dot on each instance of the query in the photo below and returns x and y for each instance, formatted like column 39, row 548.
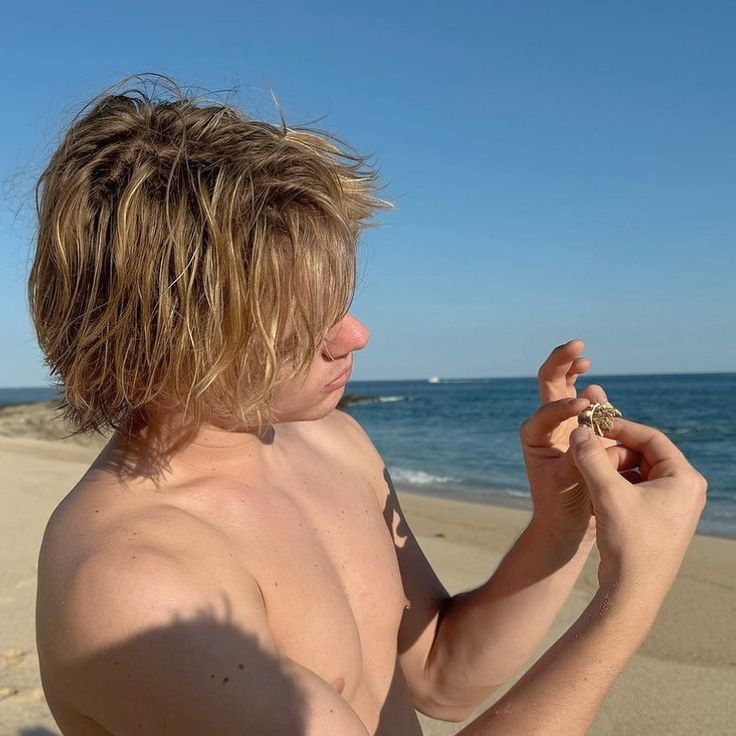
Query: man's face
column 317, row 393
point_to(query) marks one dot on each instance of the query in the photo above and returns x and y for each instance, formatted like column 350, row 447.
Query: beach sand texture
column 682, row 680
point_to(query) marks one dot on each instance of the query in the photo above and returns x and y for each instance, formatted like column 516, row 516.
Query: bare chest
column 331, row 584
column 326, row 565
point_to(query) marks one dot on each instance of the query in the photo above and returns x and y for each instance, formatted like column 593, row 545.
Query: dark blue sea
column 459, row 438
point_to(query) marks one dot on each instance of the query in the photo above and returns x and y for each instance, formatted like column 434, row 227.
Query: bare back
column 313, row 538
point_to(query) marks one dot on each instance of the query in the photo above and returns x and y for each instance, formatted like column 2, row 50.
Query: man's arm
column 485, row 636
column 561, row 694
column 455, row 651
column 480, row 639
column 644, row 529
column 644, row 525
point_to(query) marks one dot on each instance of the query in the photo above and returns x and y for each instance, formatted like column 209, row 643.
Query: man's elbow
column 440, row 711
column 451, row 702
column 446, row 692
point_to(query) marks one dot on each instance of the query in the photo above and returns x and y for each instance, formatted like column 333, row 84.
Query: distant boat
column 433, row 379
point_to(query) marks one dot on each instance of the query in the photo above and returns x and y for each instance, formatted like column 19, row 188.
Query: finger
column 595, row 393
column 579, row 366
column 622, row 457
column 659, row 455
column 537, row 429
column 552, row 374
column 645, row 467
column 591, row 459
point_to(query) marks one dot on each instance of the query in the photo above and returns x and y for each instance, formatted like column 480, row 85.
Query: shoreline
column 498, row 499
column 40, row 420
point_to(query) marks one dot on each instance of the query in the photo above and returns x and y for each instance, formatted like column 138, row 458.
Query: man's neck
column 165, row 446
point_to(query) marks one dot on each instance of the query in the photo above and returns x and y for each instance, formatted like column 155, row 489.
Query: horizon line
column 475, row 378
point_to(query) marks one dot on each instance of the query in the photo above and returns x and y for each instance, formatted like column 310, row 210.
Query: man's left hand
column 560, row 500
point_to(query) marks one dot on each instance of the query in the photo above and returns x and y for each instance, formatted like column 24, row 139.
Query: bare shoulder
column 361, row 449
column 338, row 437
column 116, row 593
column 149, row 647
column 351, row 432
column 346, row 420
column 127, row 612
column 93, row 552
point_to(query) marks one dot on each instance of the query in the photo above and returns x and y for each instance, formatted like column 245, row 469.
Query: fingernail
column 579, row 436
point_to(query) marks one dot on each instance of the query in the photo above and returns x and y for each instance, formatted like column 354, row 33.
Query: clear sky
column 559, row 170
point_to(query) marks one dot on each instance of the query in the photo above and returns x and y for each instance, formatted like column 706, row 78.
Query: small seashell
column 599, row 417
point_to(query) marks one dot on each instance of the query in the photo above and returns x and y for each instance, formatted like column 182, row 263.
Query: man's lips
column 342, row 375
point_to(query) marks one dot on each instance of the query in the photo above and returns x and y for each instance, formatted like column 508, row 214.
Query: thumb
column 591, row 460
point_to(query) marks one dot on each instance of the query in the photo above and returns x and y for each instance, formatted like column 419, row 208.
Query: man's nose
column 352, row 335
column 358, row 333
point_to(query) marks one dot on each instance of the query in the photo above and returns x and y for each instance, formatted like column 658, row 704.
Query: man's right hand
column 645, row 519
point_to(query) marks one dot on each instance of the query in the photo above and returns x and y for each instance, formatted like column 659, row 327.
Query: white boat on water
column 433, row 379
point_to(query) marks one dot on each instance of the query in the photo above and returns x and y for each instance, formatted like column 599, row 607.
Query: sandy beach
column 682, row 680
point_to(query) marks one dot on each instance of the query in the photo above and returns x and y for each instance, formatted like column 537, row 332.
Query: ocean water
column 25, row 395
column 460, row 437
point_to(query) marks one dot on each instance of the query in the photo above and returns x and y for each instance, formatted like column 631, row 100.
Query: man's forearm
column 486, row 635
column 561, row 694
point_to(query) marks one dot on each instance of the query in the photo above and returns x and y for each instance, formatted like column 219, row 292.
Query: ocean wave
column 459, row 380
column 418, row 477
column 374, row 399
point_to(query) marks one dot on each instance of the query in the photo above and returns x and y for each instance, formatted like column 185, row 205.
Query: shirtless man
column 235, row 578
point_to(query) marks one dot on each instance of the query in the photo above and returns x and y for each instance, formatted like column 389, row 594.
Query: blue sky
column 559, row 169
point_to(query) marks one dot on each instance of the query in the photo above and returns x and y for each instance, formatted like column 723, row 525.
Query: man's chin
column 315, row 412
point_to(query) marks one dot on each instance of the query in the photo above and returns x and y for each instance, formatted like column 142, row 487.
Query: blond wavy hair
column 187, row 252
